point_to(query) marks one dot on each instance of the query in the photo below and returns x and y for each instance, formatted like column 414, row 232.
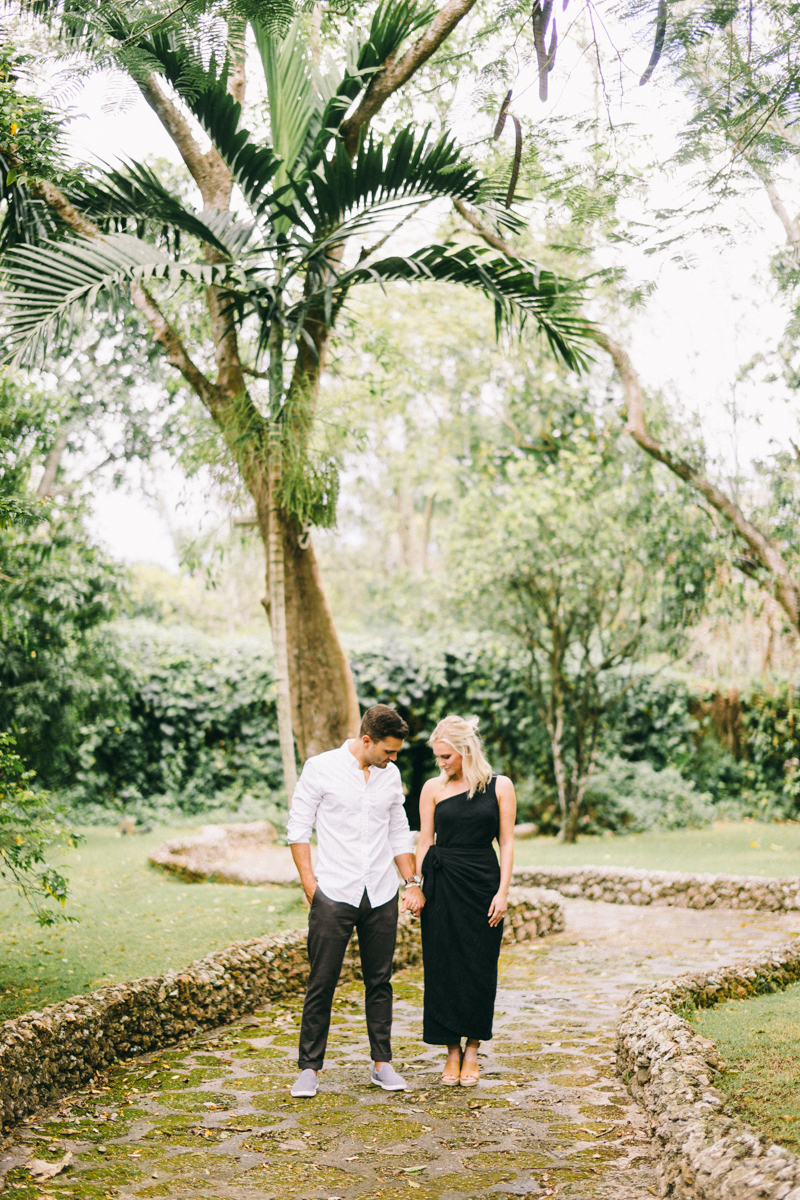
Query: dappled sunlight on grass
column 759, row 1039
column 729, row 847
column 133, row 921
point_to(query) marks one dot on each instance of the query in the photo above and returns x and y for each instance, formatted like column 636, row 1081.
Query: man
column 354, row 797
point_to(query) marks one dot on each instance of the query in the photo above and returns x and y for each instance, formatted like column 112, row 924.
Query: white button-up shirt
column 361, row 825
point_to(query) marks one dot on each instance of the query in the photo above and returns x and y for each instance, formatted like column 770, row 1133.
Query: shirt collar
column 345, row 749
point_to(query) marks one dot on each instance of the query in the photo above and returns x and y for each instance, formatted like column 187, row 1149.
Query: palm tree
column 275, row 274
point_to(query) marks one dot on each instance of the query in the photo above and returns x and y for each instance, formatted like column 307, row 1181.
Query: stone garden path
column 213, row 1118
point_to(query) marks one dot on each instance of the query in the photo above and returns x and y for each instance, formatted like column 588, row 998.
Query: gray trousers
column 330, row 926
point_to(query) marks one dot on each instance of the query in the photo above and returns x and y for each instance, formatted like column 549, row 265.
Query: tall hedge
column 192, row 718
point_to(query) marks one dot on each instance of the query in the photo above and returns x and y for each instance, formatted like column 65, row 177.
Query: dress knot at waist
column 464, row 865
column 439, row 855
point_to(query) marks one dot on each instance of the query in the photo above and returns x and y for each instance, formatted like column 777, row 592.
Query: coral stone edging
column 44, row 1054
column 706, row 1152
column 626, row 885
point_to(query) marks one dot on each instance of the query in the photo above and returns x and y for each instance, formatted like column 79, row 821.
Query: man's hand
column 309, row 889
column 413, row 900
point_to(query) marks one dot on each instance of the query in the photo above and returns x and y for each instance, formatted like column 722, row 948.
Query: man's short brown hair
column 381, row 722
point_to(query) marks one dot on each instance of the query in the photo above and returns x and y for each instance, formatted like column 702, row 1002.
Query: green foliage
column 282, row 269
column 596, row 564
column 183, row 723
column 57, row 589
column 30, row 148
column 772, row 739
column 31, row 824
column 191, row 718
column 634, row 797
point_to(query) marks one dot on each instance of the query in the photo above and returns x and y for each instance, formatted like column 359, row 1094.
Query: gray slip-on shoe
column 306, row 1084
column 387, row 1078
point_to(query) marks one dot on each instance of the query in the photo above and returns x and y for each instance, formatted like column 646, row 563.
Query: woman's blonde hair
column 463, row 736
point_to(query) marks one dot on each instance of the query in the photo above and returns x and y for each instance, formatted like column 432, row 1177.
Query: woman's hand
column 497, row 909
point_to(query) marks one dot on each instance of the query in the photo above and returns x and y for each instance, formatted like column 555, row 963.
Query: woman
column 466, row 893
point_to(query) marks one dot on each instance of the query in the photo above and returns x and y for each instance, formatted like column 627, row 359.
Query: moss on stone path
column 759, row 1040
column 213, row 1118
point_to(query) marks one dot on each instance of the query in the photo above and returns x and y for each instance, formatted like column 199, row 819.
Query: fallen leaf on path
column 40, row 1169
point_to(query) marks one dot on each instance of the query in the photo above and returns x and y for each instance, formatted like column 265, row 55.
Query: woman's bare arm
column 426, row 809
column 507, row 803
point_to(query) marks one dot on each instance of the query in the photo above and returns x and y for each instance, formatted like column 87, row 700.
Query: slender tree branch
column 477, row 224
column 140, row 33
column 174, row 348
column 366, row 251
column 791, row 228
column 52, row 463
column 766, row 553
column 394, row 73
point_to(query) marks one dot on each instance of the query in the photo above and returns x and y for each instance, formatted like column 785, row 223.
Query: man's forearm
column 301, row 853
column 405, row 865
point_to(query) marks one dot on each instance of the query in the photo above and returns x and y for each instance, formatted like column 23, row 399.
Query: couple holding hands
column 456, row 887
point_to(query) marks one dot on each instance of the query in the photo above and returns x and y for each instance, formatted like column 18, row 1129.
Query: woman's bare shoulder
column 504, row 786
column 429, row 789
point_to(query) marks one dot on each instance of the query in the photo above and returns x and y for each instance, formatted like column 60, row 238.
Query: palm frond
column 517, row 288
column 410, row 171
column 23, row 219
column 251, row 165
column 295, row 105
column 392, row 22
column 46, row 285
column 135, row 194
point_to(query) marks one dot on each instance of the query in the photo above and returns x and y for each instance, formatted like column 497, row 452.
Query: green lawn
column 136, row 921
column 759, row 1040
column 730, row 847
column 133, row 921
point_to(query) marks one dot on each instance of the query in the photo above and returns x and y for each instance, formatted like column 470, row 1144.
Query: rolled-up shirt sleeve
column 400, row 838
column 305, row 802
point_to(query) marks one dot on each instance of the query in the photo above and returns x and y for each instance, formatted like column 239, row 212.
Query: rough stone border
column 706, row 1152
column 44, row 1054
column 626, row 885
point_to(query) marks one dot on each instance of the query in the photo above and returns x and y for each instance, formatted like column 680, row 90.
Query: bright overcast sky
column 699, row 327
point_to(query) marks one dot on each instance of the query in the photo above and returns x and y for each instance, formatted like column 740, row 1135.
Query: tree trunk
column 569, row 830
column 555, row 729
column 324, row 703
column 275, row 574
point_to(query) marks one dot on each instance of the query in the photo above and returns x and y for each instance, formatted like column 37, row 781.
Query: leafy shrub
column 636, row 797
column 170, row 721
column 31, row 823
column 58, row 590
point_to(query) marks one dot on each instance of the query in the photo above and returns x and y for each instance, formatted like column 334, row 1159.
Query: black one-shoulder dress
column 461, row 875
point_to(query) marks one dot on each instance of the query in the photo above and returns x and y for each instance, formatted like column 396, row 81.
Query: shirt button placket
column 364, row 856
